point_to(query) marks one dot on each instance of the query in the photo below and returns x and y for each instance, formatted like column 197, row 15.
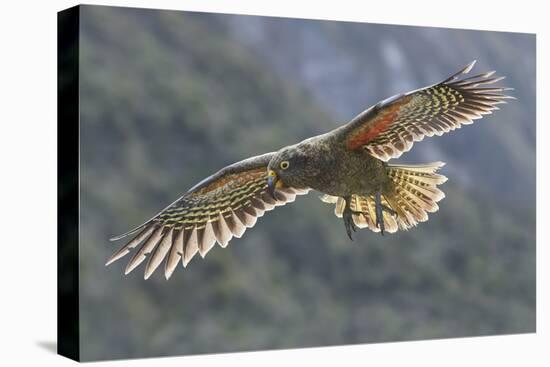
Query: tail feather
column 413, row 194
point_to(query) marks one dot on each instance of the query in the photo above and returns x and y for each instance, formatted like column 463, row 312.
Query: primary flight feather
column 348, row 165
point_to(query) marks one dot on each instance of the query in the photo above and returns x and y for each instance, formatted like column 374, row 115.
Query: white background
column 28, row 182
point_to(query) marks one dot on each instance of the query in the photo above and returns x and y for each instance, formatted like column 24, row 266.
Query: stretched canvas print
column 234, row 183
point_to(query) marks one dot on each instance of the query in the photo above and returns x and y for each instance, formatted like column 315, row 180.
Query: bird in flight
column 348, row 165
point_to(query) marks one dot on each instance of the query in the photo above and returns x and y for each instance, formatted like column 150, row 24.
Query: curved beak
column 273, row 183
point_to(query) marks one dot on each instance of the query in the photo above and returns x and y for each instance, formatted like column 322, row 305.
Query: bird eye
column 284, row 164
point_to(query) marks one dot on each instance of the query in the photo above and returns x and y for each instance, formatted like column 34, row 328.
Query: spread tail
column 413, row 194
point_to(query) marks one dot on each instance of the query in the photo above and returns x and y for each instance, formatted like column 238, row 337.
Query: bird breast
column 342, row 172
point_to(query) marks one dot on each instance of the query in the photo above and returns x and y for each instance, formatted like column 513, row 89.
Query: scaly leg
column 379, row 210
column 347, row 217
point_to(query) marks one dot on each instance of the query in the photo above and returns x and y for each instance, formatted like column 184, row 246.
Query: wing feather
column 191, row 245
column 160, row 252
column 206, row 238
column 147, row 247
column 216, row 209
column 222, row 231
column 390, row 128
column 176, row 252
column 130, row 245
column 235, row 225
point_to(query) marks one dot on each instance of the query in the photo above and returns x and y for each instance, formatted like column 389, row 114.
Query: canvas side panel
column 67, row 185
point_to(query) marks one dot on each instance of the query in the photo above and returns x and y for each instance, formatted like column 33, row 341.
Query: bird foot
column 348, row 219
column 379, row 210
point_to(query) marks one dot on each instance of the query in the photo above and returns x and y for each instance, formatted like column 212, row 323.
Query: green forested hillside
column 168, row 98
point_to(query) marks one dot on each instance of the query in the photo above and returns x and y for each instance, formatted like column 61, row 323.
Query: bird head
column 290, row 167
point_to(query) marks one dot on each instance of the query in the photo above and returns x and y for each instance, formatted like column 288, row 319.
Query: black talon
column 379, row 210
column 348, row 223
column 389, row 210
column 348, row 219
column 347, row 214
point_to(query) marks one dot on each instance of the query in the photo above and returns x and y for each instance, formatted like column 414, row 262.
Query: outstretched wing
column 390, row 128
column 216, row 209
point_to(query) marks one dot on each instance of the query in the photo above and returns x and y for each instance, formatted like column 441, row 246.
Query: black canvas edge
column 68, row 326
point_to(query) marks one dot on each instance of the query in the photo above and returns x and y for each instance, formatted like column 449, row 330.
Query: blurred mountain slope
column 168, row 98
